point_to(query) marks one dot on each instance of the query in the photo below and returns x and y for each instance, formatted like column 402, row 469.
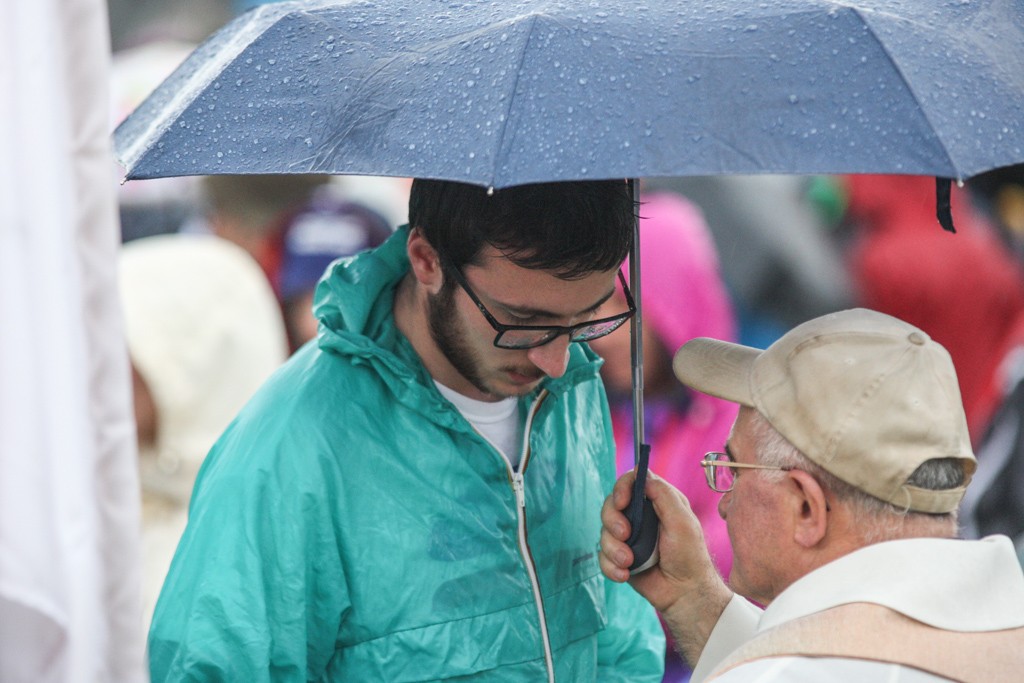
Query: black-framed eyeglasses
column 720, row 470
column 530, row 336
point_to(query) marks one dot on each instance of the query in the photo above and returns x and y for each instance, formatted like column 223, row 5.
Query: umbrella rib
column 888, row 55
column 498, row 159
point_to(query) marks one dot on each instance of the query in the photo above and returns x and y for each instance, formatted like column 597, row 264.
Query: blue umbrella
column 504, row 93
column 522, row 91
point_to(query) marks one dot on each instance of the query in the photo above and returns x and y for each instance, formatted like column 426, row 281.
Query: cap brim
column 717, row 368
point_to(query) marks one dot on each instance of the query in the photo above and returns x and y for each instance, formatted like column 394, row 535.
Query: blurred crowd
column 217, row 276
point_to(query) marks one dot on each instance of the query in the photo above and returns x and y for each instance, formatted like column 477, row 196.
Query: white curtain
column 69, row 501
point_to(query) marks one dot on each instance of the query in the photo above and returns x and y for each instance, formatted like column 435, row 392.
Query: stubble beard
column 448, row 335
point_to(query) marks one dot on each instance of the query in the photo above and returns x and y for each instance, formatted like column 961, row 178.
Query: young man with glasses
column 416, row 495
column 840, row 486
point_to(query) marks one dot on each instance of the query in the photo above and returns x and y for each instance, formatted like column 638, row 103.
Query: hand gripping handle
column 644, row 526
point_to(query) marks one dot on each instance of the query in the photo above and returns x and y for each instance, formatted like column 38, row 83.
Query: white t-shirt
column 496, row 421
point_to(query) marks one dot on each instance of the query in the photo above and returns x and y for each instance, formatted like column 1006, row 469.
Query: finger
column 616, row 551
column 613, row 571
column 613, row 520
column 623, row 491
column 667, row 499
column 614, row 558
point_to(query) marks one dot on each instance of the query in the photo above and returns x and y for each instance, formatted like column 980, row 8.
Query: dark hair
column 570, row 228
column 938, row 474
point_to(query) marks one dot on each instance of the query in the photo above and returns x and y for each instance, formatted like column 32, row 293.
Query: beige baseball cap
column 864, row 395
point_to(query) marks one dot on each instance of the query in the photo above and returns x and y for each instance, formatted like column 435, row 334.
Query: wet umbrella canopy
column 513, row 92
column 526, row 91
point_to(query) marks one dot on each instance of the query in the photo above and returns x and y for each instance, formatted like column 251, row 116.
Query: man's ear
column 810, row 509
column 424, row 261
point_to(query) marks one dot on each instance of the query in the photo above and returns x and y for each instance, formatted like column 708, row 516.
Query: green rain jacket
column 350, row 525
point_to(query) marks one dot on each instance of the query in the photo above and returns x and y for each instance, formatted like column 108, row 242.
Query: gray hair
column 876, row 519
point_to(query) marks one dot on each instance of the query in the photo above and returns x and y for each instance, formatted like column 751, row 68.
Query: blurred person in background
column 316, row 234
column 683, row 297
column 388, row 196
column 293, row 226
column 782, row 266
column 249, row 209
column 1000, row 195
column 203, row 331
column 995, row 504
column 966, row 291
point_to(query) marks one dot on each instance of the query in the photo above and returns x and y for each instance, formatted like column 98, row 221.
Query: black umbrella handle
column 644, row 526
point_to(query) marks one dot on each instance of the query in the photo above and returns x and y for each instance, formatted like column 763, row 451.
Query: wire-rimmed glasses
column 720, row 470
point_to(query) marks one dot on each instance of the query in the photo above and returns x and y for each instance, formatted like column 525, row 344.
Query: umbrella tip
column 490, row 191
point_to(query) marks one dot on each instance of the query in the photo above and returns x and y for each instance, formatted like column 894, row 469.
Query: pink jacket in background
column 683, row 297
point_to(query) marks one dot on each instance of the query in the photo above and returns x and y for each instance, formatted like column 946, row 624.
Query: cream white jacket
column 954, row 585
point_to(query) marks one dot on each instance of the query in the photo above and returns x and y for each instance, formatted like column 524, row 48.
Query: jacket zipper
column 518, row 486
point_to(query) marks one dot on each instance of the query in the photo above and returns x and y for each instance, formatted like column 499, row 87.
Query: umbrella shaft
column 636, row 333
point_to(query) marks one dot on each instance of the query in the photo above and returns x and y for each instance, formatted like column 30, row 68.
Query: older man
column 841, row 480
